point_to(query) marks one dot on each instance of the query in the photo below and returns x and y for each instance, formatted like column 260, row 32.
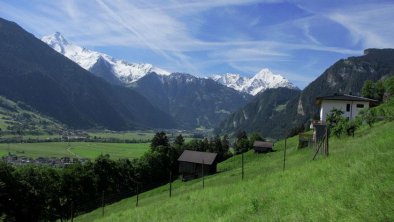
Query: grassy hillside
column 17, row 117
column 355, row 183
column 73, row 149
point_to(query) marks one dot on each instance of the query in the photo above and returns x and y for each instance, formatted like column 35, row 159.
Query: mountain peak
column 264, row 79
column 55, row 38
column 125, row 71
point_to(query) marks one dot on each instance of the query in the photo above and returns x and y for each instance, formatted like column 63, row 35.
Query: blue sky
column 297, row 39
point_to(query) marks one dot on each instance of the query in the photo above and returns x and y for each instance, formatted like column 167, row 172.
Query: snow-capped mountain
column 122, row 72
column 99, row 63
column 263, row 80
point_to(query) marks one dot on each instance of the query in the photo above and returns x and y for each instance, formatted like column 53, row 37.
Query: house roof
column 262, row 144
column 198, row 157
column 344, row 97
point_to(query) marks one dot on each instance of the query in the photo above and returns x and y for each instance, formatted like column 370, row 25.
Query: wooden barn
column 192, row 164
column 262, row 147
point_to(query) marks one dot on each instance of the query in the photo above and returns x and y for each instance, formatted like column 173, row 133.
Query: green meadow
column 75, row 149
column 123, row 135
column 354, row 183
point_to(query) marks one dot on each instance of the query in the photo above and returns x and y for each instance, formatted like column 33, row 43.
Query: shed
column 262, row 147
column 192, row 164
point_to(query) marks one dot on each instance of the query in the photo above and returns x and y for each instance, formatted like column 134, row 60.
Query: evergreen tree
column 179, row 140
column 160, row 139
column 255, row 137
column 368, row 89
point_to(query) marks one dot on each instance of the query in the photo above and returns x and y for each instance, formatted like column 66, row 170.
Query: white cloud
column 371, row 25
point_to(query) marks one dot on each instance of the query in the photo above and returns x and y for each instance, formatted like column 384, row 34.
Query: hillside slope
column 193, row 102
column 353, row 184
column 34, row 73
column 22, row 119
column 263, row 114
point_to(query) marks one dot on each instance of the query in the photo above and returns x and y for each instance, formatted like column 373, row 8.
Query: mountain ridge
column 193, row 102
column 34, row 73
column 258, row 83
column 121, row 72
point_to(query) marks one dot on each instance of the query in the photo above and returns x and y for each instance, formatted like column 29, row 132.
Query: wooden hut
column 192, row 164
column 262, row 147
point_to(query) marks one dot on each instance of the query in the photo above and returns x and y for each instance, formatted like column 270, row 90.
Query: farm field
column 124, row 135
column 138, row 136
column 75, row 149
column 355, row 183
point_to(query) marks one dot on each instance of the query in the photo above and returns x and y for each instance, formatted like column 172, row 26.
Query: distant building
column 192, row 164
column 349, row 104
column 262, row 147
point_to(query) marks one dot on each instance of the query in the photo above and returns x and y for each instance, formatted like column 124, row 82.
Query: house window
column 347, row 107
column 360, row 105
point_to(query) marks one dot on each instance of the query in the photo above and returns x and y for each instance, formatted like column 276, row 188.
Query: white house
column 349, row 104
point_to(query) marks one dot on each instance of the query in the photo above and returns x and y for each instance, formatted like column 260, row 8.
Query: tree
column 160, row 139
column 336, row 122
column 379, row 90
column 241, row 135
column 369, row 116
column 255, row 137
column 242, row 144
column 389, row 87
column 179, row 140
column 368, row 89
column 225, row 143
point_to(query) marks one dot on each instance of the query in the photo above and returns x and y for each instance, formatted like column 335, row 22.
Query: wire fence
column 77, row 208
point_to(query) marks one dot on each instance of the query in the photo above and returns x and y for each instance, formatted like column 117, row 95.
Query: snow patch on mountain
column 260, row 82
column 125, row 71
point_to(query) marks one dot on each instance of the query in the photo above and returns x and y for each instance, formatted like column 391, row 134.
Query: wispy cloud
column 173, row 30
column 371, row 25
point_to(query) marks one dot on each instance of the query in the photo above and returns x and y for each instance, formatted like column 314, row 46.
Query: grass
column 81, row 149
column 29, row 136
column 355, row 183
column 124, row 135
column 116, row 150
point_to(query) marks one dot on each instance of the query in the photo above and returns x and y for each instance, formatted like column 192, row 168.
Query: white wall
column 328, row 105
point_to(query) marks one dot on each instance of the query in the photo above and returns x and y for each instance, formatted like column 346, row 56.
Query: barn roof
column 198, row 157
column 262, row 144
column 344, row 97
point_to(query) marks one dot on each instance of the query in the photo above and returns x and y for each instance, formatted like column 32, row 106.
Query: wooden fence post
column 170, row 181
column 327, row 141
column 136, row 204
column 242, row 163
column 284, row 155
column 202, row 169
column 102, row 203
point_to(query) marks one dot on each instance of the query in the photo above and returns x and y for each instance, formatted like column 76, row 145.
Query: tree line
column 37, row 193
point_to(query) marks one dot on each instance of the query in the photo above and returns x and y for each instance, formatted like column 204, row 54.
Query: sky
column 298, row 39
